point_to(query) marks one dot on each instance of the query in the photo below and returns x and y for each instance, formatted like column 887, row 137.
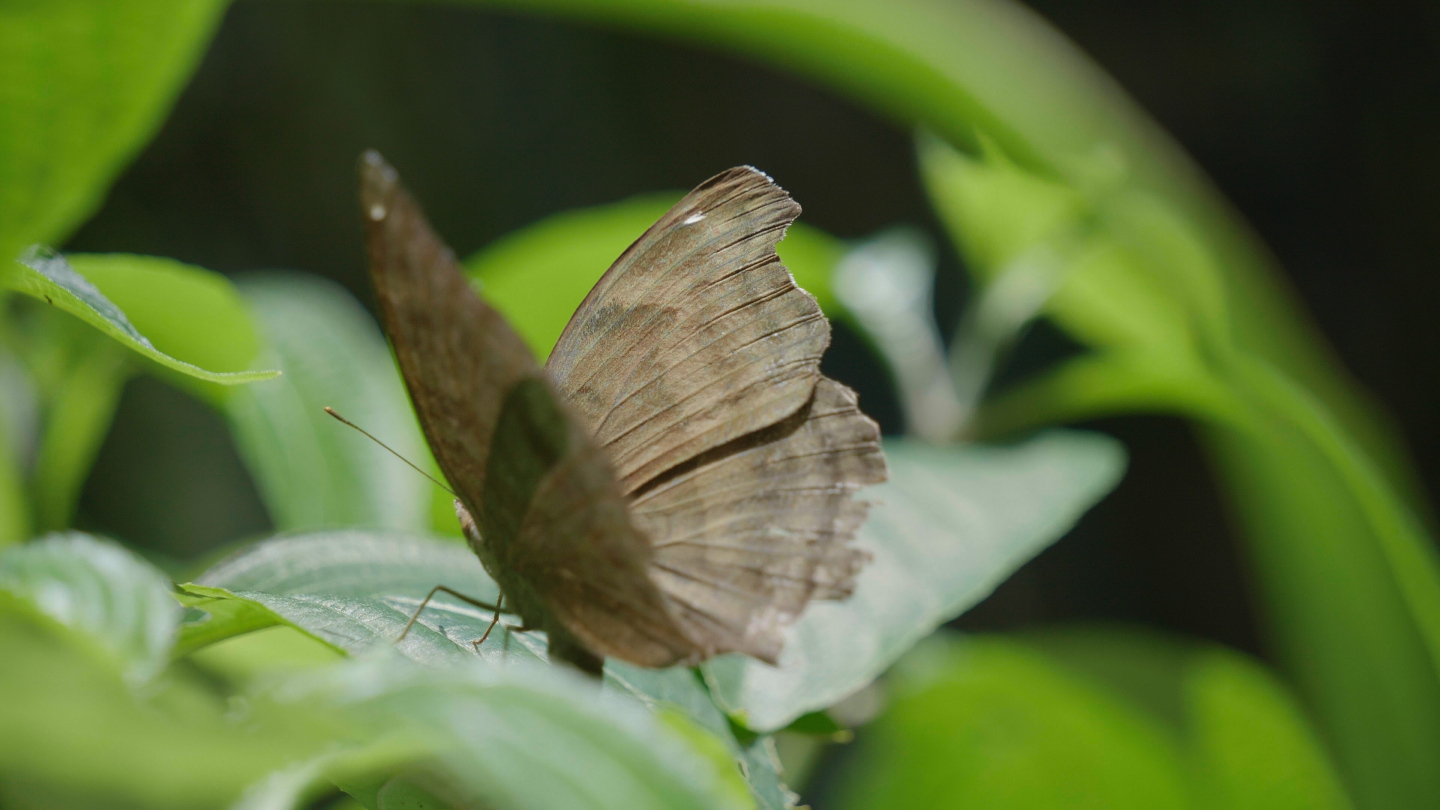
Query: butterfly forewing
column 550, row 522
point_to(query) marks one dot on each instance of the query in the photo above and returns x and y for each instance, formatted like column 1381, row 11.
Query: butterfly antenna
column 345, row 421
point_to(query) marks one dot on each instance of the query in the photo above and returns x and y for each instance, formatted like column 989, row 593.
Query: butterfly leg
column 493, row 621
column 462, row 597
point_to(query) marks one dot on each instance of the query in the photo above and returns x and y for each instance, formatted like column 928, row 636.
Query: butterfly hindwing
column 744, row 541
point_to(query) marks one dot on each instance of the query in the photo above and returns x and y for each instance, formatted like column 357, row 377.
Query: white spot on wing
column 693, row 218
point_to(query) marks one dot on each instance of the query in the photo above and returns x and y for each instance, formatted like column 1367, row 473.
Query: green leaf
column 312, row 471
column 83, row 85
column 526, row 735
column 950, row 525
column 987, row 722
column 184, row 311
column 79, row 410
column 118, row 602
column 564, row 255
column 77, row 735
column 1252, row 741
column 356, row 590
column 1342, row 557
column 47, row 276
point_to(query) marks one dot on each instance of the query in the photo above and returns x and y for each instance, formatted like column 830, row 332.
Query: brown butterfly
column 678, row 480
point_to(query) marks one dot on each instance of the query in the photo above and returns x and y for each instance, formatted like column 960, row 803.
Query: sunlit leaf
column 950, row 525
column 47, row 276
column 118, row 602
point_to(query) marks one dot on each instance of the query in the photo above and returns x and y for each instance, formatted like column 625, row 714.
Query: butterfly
column 678, row 480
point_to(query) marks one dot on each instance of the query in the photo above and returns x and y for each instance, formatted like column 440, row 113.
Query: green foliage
column 313, row 472
column 1088, row 719
column 1037, row 166
column 122, row 305
column 83, row 85
column 173, row 297
column 1344, row 561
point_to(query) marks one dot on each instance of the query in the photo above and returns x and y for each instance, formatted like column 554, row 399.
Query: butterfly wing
column 697, row 335
column 549, row 520
column 695, row 363
column 745, row 539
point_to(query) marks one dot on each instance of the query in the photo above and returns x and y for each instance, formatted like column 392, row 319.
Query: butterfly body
column 678, row 480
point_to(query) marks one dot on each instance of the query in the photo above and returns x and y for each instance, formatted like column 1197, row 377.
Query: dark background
column 1320, row 120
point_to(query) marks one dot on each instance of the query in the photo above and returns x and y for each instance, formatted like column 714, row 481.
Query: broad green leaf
column 1247, row 742
column 356, row 590
column 525, row 735
column 118, row 602
column 1252, row 743
column 83, row 85
column 47, row 276
column 950, row 525
column 74, row 734
column 987, row 722
column 312, row 471
column 539, row 275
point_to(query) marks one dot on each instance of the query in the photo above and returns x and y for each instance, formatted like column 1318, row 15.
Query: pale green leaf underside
column 950, row 525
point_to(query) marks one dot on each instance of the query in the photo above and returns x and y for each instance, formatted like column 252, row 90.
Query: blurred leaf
column 950, row 525
column 356, row 590
column 1248, row 742
column 77, row 419
column 47, row 276
column 527, row 736
column 73, row 734
column 313, row 472
column 1252, row 741
column 987, row 722
column 887, row 285
column 83, row 85
column 1344, row 561
column 118, row 602
column 567, row 253
column 19, row 418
